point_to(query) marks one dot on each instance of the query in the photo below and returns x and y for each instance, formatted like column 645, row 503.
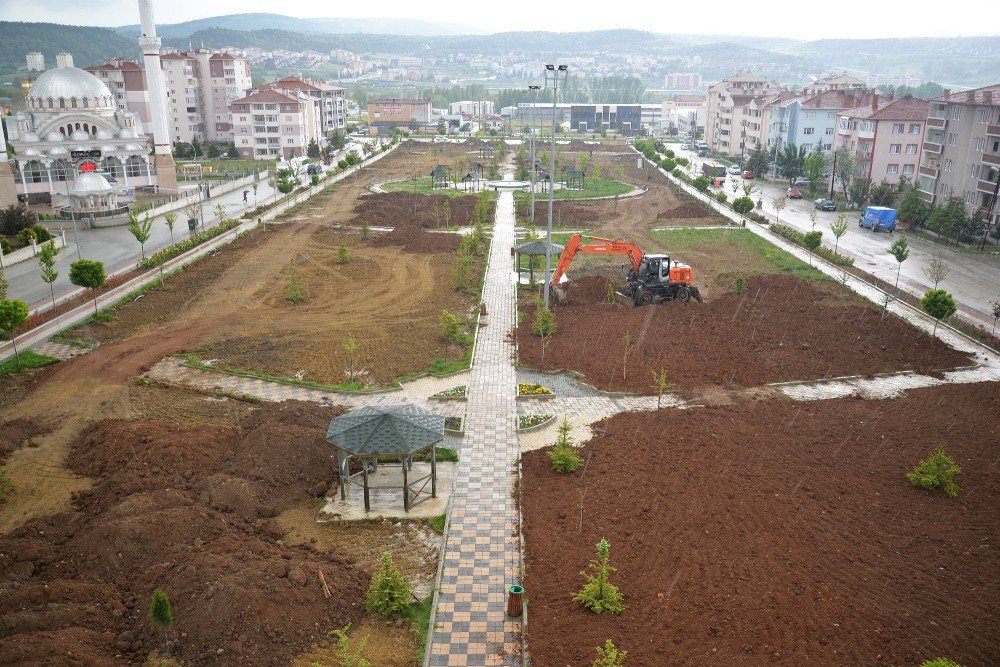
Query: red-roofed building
column 737, row 113
column 961, row 153
column 884, row 136
column 332, row 99
column 126, row 79
column 268, row 124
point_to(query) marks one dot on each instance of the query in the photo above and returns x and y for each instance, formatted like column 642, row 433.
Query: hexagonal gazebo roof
column 393, row 431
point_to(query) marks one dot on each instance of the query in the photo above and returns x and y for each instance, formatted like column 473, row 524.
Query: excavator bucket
column 696, row 294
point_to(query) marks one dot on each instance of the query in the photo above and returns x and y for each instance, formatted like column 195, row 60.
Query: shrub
column 743, row 205
column 611, row 293
column 294, row 285
column 343, row 256
column 798, row 238
column 667, row 164
column 451, row 327
column 190, row 242
column 161, row 614
column 939, row 304
column 609, row 656
column 544, row 325
column 939, row 662
column 565, row 458
column 27, row 235
column 346, row 656
column 315, row 179
column 936, row 472
column 6, row 486
column 721, row 197
column 599, row 595
column 739, row 285
column 14, row 218
column 41, row 234
column 5, row 247
column 700, row 183
column 389, row 592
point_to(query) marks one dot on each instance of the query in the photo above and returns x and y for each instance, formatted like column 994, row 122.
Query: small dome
column 58, row 150
column 54, row 136
column 108, row 148
column 71, row 82
column 81, row 148
column 79, row 135
column 29, row 137
column 135, row 148
column 104, row 134
column 32, row 152
column 89, row 183
column 128, row 133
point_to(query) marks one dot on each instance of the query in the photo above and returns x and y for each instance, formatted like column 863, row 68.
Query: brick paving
column 61, row 351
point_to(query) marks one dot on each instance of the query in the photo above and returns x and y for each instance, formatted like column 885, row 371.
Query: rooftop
column 985, row 95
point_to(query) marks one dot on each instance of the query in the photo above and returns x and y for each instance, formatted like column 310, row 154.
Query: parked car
column 825, row 205
column 748, row 175
column 878, row 218
column 735, row 171
column 793, row 193
column 702, row 153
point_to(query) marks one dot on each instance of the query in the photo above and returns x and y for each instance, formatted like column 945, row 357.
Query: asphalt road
column 974, row 277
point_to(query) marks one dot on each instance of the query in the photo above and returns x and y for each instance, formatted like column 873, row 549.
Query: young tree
column 47, row 262
column 294, row 285
column 231, row 151
column 161, row 614
column 846, row 166
column 791, row 161
column 996, row 314
column 170, row 218
column 544, row 326
column 700, row 184
column 778, row 205
column 609, row 656
column 351, row 347
column 812, row 169
column 565, row 458
column 882, row 193
column 89, row 274
column 660, row 384
column 936, row 270
column 254, row 188
column 936, row 472
column 812, row 240
column 858, row 191
column 3, row 287
column 627, row 346
column 839, row 228
column 343, row 256
column 220, row 212
column 312, row 150
column 939, row 304
column 899, row 249
column 389, row 592
column 140, row 229
column 13, row 313
column 599, row 595
column 742, row 205
column 812, row 218
column 759, row 161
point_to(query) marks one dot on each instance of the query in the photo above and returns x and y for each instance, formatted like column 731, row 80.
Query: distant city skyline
column 868, row 20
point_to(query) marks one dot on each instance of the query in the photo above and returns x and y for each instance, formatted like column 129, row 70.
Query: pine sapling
column 599, row 595
column 565, row 458
column 389, row 592
column 936, row 473
column 343, row 256
column 609, row 656
column 161, row 614
column 351, row 347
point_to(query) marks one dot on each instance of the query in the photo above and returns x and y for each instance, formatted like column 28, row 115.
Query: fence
column 30, row 251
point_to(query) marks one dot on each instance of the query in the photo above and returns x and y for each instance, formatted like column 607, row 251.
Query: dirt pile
column 565, row 214
column 774, row 533
column 19, row 432
column 184, row 508
column 782, row 329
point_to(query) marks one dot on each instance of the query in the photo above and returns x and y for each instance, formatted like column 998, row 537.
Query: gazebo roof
column 395, row 430
column 537, row 248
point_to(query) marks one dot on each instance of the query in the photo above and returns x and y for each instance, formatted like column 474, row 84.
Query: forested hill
column 89, row 45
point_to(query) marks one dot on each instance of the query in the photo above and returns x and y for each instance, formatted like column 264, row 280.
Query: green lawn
column 593, row 187
column 28, row 359
column 422, row 186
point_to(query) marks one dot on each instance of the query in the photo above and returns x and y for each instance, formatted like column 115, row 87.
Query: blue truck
column 878, row 218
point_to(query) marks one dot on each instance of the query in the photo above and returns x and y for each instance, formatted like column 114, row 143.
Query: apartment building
column 387, row 113
column 961, row 149
column 885, row 137
column 35, row 61
column 332, row 99
column 126, row 79
column 738, row 113
column 682, row 81
column 843, row 81
column 64, row 59
column 268, row 124
column 201, row 87
column 811, row 119
column 472, row 108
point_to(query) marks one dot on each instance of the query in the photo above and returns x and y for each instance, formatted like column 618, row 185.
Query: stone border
column 537, row 427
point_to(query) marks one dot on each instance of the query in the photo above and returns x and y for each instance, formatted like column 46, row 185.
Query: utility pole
column 551, row 72
column 988, row 223
column 531, row 142
column 833, row 173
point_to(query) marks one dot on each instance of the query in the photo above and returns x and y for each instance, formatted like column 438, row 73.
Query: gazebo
column 472, row 181
column 533, row 249
column 396, row 432
column 573, row 178
column 440, row 177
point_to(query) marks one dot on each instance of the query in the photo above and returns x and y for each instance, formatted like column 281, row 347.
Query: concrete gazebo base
column 387, row 499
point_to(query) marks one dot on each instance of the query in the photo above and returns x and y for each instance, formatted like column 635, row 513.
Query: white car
column 735, row 170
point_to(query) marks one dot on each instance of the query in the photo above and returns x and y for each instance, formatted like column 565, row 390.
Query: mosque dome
column 79, row 135
column 54, row 136
column 104, row 134
column 90, row 183
column 67, row 83
column 128, row 133
column 29, row 137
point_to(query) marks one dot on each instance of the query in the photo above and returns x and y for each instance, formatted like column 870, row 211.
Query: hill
column 89, row 45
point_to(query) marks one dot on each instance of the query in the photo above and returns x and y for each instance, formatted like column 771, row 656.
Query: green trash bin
column 192, row 224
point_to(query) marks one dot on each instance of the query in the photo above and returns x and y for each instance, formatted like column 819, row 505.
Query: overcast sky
column 772, row 18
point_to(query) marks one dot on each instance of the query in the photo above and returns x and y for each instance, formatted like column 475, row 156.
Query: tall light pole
column 531, row 143
column 551, row 74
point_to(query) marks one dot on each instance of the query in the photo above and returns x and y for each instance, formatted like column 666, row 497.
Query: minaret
column 166, row 171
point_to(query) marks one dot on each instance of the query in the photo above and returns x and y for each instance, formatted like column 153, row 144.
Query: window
column 914, row 128
column 33, row 172
column 136, row 166
column 810, row 114
column 911, row 149
column 984, row 116
column 948, row 165
column 808, row 130
column 979, row 144
column 291, row 141
column 892, row 169
column 952, row 138
column 897, row 128
column 908, row 169
column 829, row 131
column 895, row 149
column 956, row 112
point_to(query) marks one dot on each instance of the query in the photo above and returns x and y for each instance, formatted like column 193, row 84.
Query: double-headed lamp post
column 531, row 143
column 552, row 73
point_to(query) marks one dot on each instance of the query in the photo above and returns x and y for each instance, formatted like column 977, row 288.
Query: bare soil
column 777, row 533
column 782, row 329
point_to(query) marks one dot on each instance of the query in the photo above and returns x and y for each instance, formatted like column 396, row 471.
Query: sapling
column 812, row 241
column 13, row 313
column 660, row 384
column 47, row 262
column 936, row 473
column 936, row 270
column 627, row 346
column 779, row 204
column 343, row 256
column 347, row 656
column 351, row 347
column 565, row 458
column 389, row 592
column 599, row 595
column 939, row 304
column 899, row 249
column 812, row 217
column 140, row 229
column 609, row 656
column 161, row 614
column 839, row 228
column 170, row 217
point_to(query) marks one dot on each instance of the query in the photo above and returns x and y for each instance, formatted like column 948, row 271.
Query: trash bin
column 192, row 224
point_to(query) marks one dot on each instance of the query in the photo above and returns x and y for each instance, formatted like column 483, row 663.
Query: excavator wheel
column 683, row 294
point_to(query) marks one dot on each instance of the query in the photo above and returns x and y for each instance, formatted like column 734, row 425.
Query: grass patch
column 682, row 241
column 28, row 359
column 195, row 362
column 593, row 187
column 422, row 186
column 103, row 317
column 419, row 616
column 442, row 455
column 437, row 522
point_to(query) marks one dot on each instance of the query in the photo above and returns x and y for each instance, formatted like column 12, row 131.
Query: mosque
column 72, row 125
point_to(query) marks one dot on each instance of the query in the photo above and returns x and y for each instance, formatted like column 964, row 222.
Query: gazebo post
column 340, row 473
column 406, row 489
column 434, row 484
column 364, row 468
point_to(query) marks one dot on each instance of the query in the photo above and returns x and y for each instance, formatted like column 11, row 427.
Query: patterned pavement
column 61, row 351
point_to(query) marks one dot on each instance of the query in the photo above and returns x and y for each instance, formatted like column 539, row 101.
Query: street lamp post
column 551, row 74
column 531, row 143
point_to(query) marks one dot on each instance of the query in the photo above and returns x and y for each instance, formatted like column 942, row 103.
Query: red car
column 792, row 193
column 748, row 175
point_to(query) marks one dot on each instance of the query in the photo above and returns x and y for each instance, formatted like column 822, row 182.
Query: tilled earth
column 782, row 329
column 774, row 533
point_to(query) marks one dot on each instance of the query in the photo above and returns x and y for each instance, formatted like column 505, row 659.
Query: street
column 974, row 277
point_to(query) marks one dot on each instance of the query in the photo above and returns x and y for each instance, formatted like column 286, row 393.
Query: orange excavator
column 651, row 278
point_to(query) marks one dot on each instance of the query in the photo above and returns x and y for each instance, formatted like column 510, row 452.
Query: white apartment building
column 201, row 87
column 332, row 99
column 472, row 109
column 64, row 59
column 269, row 125
column 35, row 61
column 738, row 113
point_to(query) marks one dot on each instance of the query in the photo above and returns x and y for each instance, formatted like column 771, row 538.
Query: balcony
column 929, row 172
column 991, row 158
column 986, row 186
column 931, row 147
column 993, row 130
column 935, row 122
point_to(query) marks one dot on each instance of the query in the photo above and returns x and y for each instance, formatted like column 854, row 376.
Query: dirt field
column 631, row 218
column 778, row 533
column 782, row 329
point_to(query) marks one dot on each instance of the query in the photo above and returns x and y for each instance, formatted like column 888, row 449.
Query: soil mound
column 684, row 211
column 781, row 329
column 18, row 433
column 779, row 533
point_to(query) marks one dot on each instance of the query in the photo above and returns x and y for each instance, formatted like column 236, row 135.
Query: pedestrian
column 246, row 193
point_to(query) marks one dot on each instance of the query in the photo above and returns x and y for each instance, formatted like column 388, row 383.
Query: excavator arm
column 601, row 247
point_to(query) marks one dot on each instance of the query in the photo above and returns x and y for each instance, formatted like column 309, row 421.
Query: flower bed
column 525, row 422
column 454, row 394
column 453, row 424
column 533, row 390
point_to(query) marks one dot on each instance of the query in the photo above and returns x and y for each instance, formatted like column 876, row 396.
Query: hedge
column 190, row 242
column 798, row 237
